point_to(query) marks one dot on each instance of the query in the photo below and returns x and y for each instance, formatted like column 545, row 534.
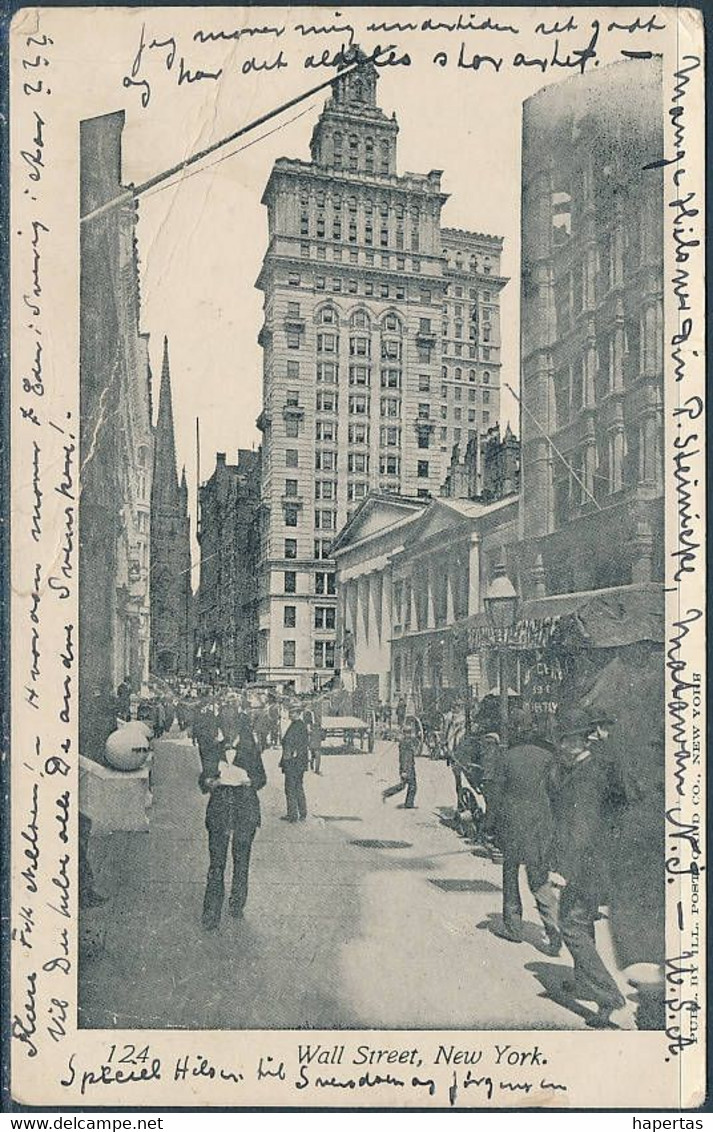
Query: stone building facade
column 171, row 588
column 381, row 350
column 592, row 332
column 115, row 435
column 403, row 600
column 226, row 624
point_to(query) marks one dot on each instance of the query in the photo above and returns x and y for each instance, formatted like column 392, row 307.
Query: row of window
column 425, row 293
column 473, row 334
column 357, row 153
column 389, row 437
column 359, row 346
column 458, row 261
column 370, row 207
column 359, row 319
column 402, row 262
column 458, row 375
column 317, row 226
column 456, row 350
column 322, row 547
column 325, row 582
column 371, row 289
column 323, row 654
column 325, row 616
column 328, row 374
column 324, row 520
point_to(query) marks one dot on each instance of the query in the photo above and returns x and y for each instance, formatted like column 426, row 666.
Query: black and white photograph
column 376, row 520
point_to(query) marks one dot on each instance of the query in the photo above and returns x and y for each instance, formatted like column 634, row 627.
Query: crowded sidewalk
column 365, row 915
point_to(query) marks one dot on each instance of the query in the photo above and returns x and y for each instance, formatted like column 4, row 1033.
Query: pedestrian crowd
column 546, row 808
column 550, row 807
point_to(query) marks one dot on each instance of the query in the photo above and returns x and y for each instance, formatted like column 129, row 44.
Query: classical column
column 430, row 603
column 474, row 575
column 342, row 589
column 352, row 605
column 364, row 608
column 387, row 626
column 450, row 604
column 374, row 610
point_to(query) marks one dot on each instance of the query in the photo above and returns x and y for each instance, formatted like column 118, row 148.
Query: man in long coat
column 586, row 791
column 294, row 764
column 524, row 831
column 233, row 772
column 205, row 733
column 408, row 749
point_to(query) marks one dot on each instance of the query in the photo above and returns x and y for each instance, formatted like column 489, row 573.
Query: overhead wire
column 554, row 447
column 226, row 156
column 134, row 192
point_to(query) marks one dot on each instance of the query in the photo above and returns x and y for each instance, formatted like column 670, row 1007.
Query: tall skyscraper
column 381, row 347
column 115, row 438
column 171, row 593
column 592, row 331
column 226, row 646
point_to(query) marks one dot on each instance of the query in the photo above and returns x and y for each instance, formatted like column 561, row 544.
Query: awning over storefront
column 597, row 619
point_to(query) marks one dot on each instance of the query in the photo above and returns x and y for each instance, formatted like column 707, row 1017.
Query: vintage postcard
column 358, row 557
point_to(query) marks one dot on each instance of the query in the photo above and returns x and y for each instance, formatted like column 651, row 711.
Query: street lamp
column 501, row 602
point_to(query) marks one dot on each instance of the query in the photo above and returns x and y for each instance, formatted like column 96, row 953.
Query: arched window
column 353, row 151
column 369, row 155
column 392, row 323
column 360, row 319
column 327, row 315
column 385, row 156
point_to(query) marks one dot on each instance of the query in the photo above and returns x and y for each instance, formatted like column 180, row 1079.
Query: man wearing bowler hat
column 585, row 795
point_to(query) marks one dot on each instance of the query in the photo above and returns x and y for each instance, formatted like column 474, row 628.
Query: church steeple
column 171, row 609
column 165, row 476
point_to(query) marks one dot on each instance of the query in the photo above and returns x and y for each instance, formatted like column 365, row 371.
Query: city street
column 365, row 915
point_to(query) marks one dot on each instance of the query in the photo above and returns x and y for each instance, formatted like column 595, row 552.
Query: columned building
column 405, row 604
column 592, row 331
column 115, row 434
column 171, row 590
column 225, row 632
column 381, row 343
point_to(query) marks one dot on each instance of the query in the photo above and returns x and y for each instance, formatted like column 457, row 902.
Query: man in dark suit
column 586, row 792
column 294, row 764
column 205, row 734
column 524, row 831
column 233, row 772
column 123, row 697
column 408, row 748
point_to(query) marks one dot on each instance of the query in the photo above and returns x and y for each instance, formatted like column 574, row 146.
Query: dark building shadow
column 554, row 977
column 338, row 817
column 367, row 843
column 461, row 884
column 531, row 932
